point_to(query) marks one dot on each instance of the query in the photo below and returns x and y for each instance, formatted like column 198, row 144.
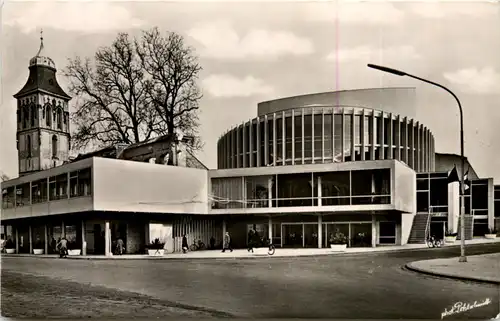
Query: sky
column 257, row 51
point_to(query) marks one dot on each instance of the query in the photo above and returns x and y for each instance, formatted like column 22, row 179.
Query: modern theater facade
column 357, row 162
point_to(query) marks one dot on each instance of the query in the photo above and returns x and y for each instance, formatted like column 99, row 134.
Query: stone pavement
column 482, row 268
column 262, row 252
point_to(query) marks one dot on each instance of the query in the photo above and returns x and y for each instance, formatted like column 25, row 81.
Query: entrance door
column 361, row 234
column 292, row 235
column 311, row 235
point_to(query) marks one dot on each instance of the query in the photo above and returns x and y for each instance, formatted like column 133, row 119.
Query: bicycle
column 433, row 242
column 197, row 246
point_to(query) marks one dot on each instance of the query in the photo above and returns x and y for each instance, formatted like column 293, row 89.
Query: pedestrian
column 119, row 246
column 212, row 243
column 251, row 236
column 63, row 247
column 227, row 243
column 185, row 245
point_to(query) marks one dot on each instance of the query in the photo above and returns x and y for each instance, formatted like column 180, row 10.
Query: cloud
column 221, row 41
column 479, row 81
column 373, row 55
column 227, row 86
column 353, row 12
column 435, row 10
column 71, row 16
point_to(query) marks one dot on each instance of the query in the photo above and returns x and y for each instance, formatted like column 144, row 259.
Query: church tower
column 43, row 139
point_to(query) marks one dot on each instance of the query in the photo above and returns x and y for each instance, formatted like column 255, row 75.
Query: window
column 270, row 137
column 370, row 187
column 227, row 193
column 295, row 190
column 54, row 146
column 58, row 187
column 298, row 137
column 28, row 145
column 338, row 137
column 479, row 196
column 387, row 233
column 59, row 118
column 348, row 137
column 423, row 202
column 23, row 194
column 327, row 128
column 33, row 115
column 84, row 182
column 318, row 136
column 8, row 197
column 257, row 189
column 308, row 137
column 335, row 188
column 48, row 119
column 439, row 194
column 279, row 141
column 288, row 135
column 39, row 191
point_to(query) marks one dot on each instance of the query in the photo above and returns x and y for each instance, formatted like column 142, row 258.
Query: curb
column 412, row 268
column 257, row 256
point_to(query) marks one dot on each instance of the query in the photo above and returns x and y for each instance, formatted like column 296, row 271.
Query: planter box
column 450, row 239
column 74, row 252
column 10, row 251
column 490, row 236
column 37, row 251
column 156, row 252
column 338, row 247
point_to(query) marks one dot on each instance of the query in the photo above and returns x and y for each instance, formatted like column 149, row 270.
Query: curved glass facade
column 311, row 135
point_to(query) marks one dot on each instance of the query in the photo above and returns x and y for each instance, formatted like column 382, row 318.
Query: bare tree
column 171, row 88
column 136, row 89
column 112, row 106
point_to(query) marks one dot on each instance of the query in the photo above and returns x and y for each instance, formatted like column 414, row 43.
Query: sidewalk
column 259, row 253
column 482, row 268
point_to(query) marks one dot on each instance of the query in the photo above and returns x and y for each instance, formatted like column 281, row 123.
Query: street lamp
column 463, row 258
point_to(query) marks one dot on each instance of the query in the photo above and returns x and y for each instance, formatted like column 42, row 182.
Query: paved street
column 360, row 286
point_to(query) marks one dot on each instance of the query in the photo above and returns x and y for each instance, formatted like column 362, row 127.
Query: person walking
column 227, row 243
column 251, row 236
column 185, row 245
column 63, row 247
column 119, row 246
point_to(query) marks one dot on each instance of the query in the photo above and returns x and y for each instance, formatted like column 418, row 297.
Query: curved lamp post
column 462, row 258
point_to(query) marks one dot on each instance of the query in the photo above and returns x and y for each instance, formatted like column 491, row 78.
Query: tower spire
column 41, row 43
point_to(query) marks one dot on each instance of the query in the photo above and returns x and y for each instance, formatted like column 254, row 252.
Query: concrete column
column 453, row 206
column 30, row 239
column 491, row 204
column 270, row 229
column 319, row 192
column 374, row 231
column 270, row 192
column 107, row 239
column 46, row 240
column 17, row 241
column 84, row 243
column 223, row 231
column 320, row 231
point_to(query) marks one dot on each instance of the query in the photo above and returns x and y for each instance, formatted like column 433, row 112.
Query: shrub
column 156, row 245
column 338, row 238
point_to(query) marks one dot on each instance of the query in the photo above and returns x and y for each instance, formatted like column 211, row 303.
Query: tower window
column 48, row 119
column 33, row 115
column 26, row 116
column 59, row 119
column 28, row 145
column 54, row 146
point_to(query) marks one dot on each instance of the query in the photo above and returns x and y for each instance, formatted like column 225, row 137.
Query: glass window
column 255, row 144
column 422, row 184
column 58, row 187
column 23, row 194
column 288, row 135
column 479, row 197
column 318, row 136
column 279, row 140
column 370, row 187
column 270, row 133
column 439, row 194
column 338, row 138
column 497, row 208
column 387, row 233
column 308, row 136
column 368, row 131
column 335, row 188
column 257, row 189
column 357, row 129
column 28, row 145
column 263, row 161
column 328, row 135
column 422, row 201
column 48, row 119
column 39, row 191
column 54, row 146
column 467, row 204
column 387, row 130
column 379, row 127
column 497, row 194
column 227, row 193
column 295, row 190
column 8, row 196
column 298, row 137
column 348, row 137
column 84, row 182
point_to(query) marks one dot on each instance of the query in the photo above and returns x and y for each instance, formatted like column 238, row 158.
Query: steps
column 418, row 228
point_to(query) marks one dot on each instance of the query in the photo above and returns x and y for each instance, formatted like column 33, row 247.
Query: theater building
column 356, row 161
